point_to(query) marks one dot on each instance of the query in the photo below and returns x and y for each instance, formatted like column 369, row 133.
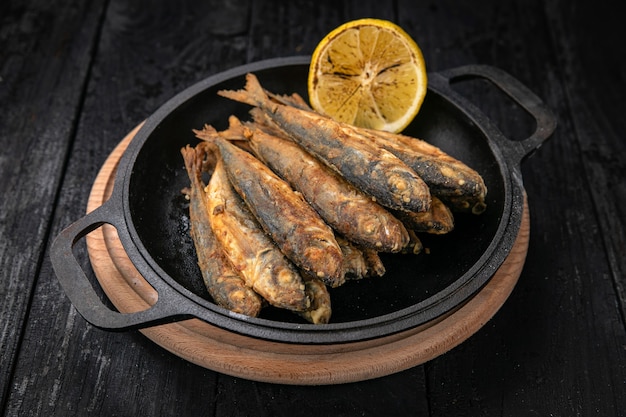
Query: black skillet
column 150, row 215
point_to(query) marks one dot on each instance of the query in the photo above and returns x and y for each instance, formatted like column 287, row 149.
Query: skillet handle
column 544, row 117
column 80, row 290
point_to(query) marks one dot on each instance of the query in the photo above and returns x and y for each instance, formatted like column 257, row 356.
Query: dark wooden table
column 76, row 76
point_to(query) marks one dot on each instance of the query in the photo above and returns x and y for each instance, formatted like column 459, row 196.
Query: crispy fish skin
column 262, row 265
column 451, row 180
column 224, row 284
column 346, row 209
column 291, row 222
column 371, row 169
column 448, row 178
column 438, row 220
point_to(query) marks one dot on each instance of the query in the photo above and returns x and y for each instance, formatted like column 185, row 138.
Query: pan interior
column 159, row 211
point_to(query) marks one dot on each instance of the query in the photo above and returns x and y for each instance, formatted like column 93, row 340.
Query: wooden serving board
column 217, row 349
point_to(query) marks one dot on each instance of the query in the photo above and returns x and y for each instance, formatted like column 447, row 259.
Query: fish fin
column 207, row 156
column 300, row 101
column 194, row 159
column 237, row 133
column 258, row 116
column 261, row 121
column 253, row 94
column 207, row 133
column 236, row 130
column 189, row 157
column 294, row 100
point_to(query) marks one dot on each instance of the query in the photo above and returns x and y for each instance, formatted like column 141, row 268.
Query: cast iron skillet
column 150, row 215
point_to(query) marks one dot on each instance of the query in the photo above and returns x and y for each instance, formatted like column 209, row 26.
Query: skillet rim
column 453, row 296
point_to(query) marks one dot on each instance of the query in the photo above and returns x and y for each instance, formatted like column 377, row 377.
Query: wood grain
column 35, row 142
column 76, row 76
column 261, row 360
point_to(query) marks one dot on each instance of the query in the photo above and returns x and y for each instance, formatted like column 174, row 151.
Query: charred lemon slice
column 369, row 73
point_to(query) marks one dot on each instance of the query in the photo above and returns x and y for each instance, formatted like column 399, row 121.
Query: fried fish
column 223, row 283
column 458, row 185
column 448, row 178
column 262, row 265
column 370, row 168
column 293, row 225
column 346, row 209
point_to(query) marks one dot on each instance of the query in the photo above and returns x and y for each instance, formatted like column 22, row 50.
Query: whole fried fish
column 262, row 265
column 346, row 209
column 458, row 185
column 223, row 283
column 447, row 177
column 291, row 222
column 371, row 169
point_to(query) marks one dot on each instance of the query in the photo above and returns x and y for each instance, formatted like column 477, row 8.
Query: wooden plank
column 584, row 266
column 296, row 27
column 388, row 396
column 593, row 90
column 559, row 332
column 556, row 347
column 45, row 55
column 147, row 52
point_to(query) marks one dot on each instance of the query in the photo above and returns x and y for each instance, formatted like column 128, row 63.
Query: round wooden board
column 220, row 350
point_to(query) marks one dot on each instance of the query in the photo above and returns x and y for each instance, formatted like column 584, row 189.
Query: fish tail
column 188, row 157
column 253, row 93
column 193, row 164
column 208, row 133
column 203, row 157
column 293, row 100
column 236, row 130
column 237, row 133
